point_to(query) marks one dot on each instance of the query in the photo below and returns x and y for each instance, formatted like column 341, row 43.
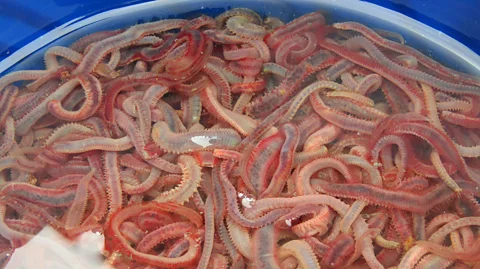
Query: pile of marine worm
column 245, row 142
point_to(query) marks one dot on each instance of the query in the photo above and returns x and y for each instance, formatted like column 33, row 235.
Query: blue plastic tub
column 34, row 24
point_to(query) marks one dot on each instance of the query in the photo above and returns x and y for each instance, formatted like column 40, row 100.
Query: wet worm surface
column 242, row 141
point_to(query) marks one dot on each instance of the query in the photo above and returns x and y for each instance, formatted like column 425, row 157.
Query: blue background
column 24, row 20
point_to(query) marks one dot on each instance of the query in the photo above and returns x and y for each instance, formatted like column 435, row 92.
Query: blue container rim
column 448, row 43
